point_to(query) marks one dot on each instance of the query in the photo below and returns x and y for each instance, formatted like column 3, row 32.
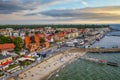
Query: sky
column 59, row 11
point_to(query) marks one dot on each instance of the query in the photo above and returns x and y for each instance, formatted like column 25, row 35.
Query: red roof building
column 7, row 46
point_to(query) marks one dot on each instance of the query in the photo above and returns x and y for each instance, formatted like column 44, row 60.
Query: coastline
column 57, row 70
column 43, row 70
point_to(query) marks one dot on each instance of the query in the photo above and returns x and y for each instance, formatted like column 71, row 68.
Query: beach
column 49, row 66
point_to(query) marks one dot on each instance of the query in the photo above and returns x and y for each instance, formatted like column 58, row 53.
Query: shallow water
column 85, row 70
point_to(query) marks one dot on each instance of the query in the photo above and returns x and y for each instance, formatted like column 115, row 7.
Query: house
column 27, row 41
column 36, row 36
column 32, row 42
column 5, row 61
column 47, row 45
column 59, row 36
column 5, row 32
column 49, row 38
column 22, row 34
column 71, row 34
column 7, row 47
column 33, row 47
column 16, row 33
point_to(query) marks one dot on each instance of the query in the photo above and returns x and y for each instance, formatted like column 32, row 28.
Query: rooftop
column 7, row 46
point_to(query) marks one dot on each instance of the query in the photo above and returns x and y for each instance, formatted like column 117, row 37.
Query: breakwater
column 96, row 50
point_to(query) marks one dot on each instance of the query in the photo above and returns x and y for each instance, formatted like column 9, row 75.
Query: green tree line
column 80, row 26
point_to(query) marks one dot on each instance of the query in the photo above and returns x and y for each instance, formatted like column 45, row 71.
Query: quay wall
column 96, row 50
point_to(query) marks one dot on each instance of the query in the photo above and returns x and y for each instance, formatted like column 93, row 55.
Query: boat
column 112, row 64
column 102, row 61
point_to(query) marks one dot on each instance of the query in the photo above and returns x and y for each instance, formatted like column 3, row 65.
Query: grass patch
column 25, row 63
column 12, row 66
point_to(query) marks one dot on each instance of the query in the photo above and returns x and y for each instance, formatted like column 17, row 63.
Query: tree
column 4, row 39
column 42, row 40
column 18, row 44
column 57, row 31
column 9, row 40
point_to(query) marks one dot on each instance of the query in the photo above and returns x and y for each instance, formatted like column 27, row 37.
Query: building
column 59, row 36
column 32, row 42
column 7, row 47
column 27, row 41
column 36, row 37
column 5, row 61
column 47, row 45
column 5, row 32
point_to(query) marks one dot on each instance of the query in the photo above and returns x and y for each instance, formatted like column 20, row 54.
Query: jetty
column 100, row 61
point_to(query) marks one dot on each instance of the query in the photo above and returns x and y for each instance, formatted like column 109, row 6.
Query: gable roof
column 7, row 46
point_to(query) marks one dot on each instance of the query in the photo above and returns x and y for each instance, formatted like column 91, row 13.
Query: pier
column 100, row 61
column 96, row 50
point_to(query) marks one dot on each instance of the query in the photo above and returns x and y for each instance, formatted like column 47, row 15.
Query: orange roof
column 61, row 34
column 7, row 46
column 27, row 39
column 82, row 31
column 36, row 38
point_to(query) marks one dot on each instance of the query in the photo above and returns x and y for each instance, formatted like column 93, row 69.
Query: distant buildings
column 32, row 41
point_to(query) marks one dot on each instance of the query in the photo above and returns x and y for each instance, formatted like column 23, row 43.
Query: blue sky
column 59, row 11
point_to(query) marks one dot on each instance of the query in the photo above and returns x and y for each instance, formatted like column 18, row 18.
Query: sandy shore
column 46, row 68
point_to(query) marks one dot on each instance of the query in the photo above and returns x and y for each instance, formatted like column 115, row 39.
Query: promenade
column 44, row 69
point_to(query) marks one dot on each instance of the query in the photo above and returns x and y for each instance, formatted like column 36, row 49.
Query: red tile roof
column 7, row 46
column 6, row 63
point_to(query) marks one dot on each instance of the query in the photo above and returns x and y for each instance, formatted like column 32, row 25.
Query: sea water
column 85, row 70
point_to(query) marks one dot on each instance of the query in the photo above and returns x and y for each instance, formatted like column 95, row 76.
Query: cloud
column 30, row 6
column 34, row 11
column 99, row 13
column 10, row 6
column 84, row 3
column 7, row 7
